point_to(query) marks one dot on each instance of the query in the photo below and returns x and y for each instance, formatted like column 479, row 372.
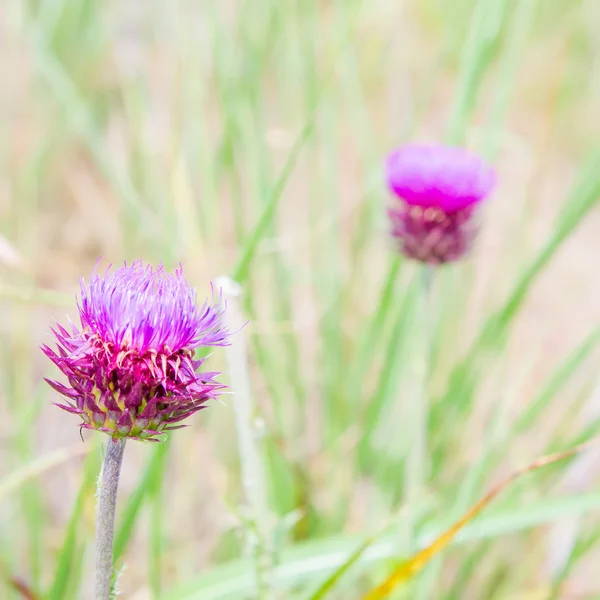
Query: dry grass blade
column 406, row 570
column 17, row 478
column 9, row 255
column 36, row 296
column 23, row 589
column 20, row 587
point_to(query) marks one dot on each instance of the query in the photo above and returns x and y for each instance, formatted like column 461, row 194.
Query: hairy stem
column 108, row 483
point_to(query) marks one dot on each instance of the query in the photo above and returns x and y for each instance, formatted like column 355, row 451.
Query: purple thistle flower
column 438, row 190
column 130, row 368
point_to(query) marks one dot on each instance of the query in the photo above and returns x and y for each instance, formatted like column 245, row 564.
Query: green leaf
column 156, row 523
column 583, row 198
column 71, row 551
column 152, row 474
column 479, row 50
column 262, row 227
column 336, row 576
column 310, row 560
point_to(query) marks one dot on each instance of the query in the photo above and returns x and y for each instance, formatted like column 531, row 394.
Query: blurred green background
column 247, row 137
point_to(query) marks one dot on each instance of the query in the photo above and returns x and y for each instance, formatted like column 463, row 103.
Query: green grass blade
column 373, row 332
column 479, row 49
column 524, row 13
column 558, row 379
column 335, row 577
column 156, row 523
column 131, row 513
column 241, row 271
column 314, row 559
column 386, row 389
column 67, row 95
column 583, row 199
column 66, row 563
column 490, row 455
column 586, row 542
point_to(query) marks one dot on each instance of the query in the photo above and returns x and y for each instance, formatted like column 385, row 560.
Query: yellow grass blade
column 406, row 570
column 541, row 593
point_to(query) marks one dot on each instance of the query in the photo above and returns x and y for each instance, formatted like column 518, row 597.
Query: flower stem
column 417, row 459
column 108, row 483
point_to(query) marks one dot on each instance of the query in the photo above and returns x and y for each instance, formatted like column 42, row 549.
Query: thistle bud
column 131, row 366
column 437, row 192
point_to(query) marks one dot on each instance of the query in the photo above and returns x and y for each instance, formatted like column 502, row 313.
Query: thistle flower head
column 130, row 366
column 437, row 190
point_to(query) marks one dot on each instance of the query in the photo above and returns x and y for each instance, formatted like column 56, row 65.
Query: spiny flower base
column 431, row 235
column 128, row 393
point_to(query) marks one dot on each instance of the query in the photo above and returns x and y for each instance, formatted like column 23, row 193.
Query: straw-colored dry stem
column 253, row 479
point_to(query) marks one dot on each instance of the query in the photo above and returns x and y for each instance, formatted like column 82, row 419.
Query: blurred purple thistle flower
column 437, row 191
column 130, row 368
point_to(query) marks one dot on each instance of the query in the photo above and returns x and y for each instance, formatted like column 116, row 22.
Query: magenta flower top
column 450, row 179
column 436, row 189
column 131, row 368
column 142, row 308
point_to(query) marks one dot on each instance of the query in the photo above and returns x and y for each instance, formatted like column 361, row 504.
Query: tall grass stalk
column 258, row 542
